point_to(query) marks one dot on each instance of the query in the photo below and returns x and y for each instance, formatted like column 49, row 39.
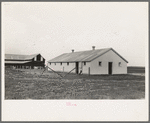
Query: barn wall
column 86, row 68
column 64, row 67
column 110, row 56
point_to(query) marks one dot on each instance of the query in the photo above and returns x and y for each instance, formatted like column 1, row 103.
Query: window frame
column 119, row 64
column 100, row 63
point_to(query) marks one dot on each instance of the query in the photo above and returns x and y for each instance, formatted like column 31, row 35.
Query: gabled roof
column 19, row 57
column 83, row 56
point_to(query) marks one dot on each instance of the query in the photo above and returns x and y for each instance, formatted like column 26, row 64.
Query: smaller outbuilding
column 100, row 61
column 35, row 61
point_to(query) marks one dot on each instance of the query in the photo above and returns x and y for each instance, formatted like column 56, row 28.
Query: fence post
column 89, row 70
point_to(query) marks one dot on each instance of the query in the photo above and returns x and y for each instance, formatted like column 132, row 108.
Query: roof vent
column 72, row 50
column 93, row 47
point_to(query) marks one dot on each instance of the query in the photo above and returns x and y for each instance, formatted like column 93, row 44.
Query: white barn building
column 100, row 61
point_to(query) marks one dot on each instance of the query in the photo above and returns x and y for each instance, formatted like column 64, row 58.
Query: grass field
column 30, row 85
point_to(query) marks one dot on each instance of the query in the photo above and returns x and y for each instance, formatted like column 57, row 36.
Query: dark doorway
column 77, row 67
column 38, row 58
column 109, row 67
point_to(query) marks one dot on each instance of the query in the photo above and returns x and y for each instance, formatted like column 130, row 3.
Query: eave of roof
column 86, row 56
column 19, row 57
column 120, row 56
column 16, row 62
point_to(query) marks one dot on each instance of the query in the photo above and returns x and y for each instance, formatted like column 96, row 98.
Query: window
column 50, row 63
column 55, row 63
column 67, row 63
column 119, row 64
column 60, row 63
column 100, row 63
column 84, row 63
column 41, row 58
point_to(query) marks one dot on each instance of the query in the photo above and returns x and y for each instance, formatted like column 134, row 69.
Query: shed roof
column 19, row 57
column 16, row 62
column 83, row 56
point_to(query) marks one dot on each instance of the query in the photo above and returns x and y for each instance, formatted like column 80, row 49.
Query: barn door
column 77, row 67
column 109, row 67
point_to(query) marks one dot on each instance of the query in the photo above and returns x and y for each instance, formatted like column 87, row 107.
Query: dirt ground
column 49, row 85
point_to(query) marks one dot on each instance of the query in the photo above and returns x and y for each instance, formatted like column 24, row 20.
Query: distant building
column 24, row 61
column 100, row 61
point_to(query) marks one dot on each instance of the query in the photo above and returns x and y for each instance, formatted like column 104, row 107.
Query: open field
column 29, row 85
column 136, row 69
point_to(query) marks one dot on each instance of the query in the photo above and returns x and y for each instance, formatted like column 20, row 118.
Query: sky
column 53, row 28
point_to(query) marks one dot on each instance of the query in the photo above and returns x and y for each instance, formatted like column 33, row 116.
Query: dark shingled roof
column 19, row 57
column 83, row 56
